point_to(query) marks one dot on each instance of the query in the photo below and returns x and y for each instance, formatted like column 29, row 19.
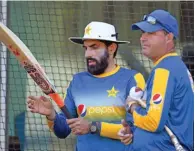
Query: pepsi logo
column 82, row 110
column 157, row 98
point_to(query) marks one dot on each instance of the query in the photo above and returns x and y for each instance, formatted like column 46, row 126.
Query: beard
column 100, row 66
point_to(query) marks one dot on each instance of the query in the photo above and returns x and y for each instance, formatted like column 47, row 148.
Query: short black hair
column 108, row 43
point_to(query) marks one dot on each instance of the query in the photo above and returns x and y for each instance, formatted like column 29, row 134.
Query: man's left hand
column 79, row 126
column 125, row 133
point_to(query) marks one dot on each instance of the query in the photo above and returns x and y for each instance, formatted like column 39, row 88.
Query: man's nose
column 143, row 36
column 89, row 53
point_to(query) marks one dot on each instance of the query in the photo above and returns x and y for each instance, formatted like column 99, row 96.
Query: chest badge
column 113, row 92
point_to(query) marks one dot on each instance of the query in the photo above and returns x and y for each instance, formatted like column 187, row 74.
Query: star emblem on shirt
column 113, row 92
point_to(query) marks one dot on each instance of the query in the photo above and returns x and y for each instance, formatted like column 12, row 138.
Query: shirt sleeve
column 159, row 96
column 59, row 125
column 138, row 81
column 111, row 129
column 69, row 100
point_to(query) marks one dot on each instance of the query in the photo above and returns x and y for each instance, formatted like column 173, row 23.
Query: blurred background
column 45, row 27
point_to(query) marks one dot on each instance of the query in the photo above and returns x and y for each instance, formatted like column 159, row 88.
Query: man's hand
column 125, row 134
column 79, row 126
column 135, row 93
column 133, row 100
column 41, row 105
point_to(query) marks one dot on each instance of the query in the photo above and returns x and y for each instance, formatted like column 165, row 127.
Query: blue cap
column 158, row 20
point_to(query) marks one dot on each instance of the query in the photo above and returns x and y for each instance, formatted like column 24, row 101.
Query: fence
column 45, row 27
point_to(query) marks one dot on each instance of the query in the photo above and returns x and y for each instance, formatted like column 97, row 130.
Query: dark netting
column 45, row 27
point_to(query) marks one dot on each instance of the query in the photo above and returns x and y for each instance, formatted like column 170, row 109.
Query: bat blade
column 31, row 65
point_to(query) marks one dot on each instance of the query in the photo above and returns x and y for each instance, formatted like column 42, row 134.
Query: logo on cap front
column 82, row 110
column 157, row 98
column 88, row 30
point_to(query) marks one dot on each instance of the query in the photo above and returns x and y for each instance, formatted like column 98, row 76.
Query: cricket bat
column 31, row 65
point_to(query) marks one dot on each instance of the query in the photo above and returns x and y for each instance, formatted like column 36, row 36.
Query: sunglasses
column 151, row 20
column 154, row 21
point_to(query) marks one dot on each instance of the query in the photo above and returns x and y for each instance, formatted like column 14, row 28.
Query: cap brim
column 146, row 27
column 80, row 40
column 77, row 40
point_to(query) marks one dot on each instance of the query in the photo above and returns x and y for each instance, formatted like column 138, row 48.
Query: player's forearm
column 133, row 107
column 59, row 126
column 52, row 116
column 144, row 119
column 138, row 114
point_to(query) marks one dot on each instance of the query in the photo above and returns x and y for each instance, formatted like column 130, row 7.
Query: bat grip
column 174, row 140
column 66, row 112
column 59, row 101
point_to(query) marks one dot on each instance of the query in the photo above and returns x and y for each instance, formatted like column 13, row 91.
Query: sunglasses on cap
column 154, row 21
column 150, row 20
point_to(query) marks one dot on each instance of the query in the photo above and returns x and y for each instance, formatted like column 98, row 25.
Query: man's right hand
column 41, row 105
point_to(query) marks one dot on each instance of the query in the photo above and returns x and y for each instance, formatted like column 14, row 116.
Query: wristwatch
column 93, row 128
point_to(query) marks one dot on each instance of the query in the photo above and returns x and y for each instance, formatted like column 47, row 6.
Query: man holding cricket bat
column 96, row 98
column 168, row 94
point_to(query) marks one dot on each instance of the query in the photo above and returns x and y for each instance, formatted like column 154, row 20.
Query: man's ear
column 170, row 37
column 112, row 48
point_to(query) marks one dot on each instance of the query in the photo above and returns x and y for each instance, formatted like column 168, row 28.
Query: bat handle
column 176, row 143
column 66, row 112
column 174, row 140
column 59, row 101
